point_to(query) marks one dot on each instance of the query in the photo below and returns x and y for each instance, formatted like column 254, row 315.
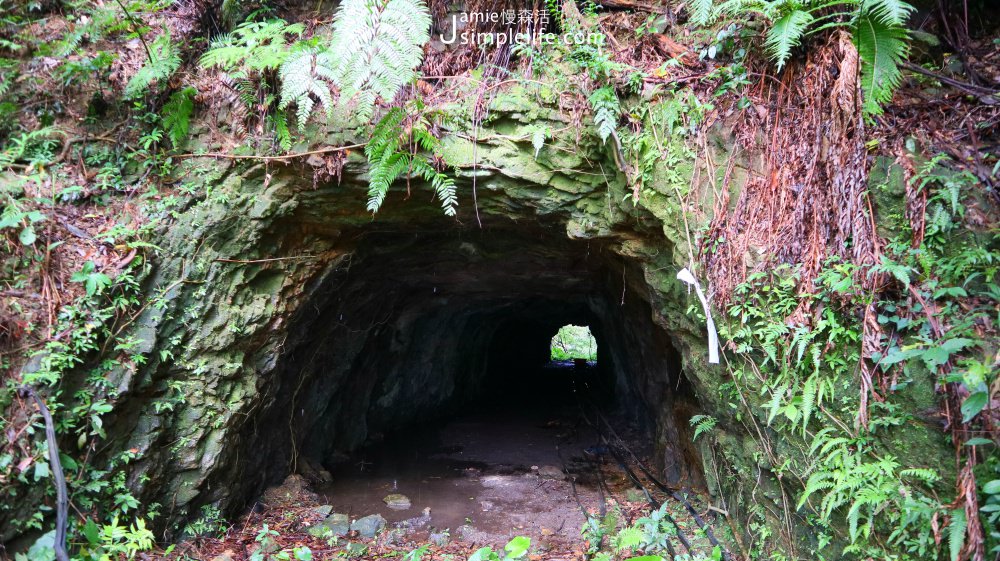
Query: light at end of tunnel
column 574, row 342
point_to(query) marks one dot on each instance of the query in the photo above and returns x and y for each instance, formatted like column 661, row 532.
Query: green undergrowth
column 839, row 452
column 832, row 416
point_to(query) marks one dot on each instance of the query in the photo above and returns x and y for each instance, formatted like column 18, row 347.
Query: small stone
column 486, row 505
column 396, row 501
column 368, row 526
column 466, row 532
column 227, row 555
column 439, row 539
column 551, row 472
column 334, row 525
column 324, row 510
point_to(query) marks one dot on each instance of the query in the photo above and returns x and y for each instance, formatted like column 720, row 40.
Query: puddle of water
column 474, row 471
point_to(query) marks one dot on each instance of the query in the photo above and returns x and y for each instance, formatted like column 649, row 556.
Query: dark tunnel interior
column 413, row 329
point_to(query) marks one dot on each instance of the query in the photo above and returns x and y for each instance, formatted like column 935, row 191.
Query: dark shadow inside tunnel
column 414, row 329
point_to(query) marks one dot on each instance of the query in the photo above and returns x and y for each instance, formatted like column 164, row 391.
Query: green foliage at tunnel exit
column 574, row 341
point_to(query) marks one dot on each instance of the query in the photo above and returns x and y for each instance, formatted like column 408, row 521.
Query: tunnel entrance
column 422, row 364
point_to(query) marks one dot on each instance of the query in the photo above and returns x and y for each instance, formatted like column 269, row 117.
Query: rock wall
column 290, row 324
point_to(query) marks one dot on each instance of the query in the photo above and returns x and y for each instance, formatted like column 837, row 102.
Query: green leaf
column 41, row 471
column 27, row 235
column 973, row 405
column 978, row 441
column 936, row 356
column 92, row 532
column 483, row 554
column 992, row 487
column 517, row 547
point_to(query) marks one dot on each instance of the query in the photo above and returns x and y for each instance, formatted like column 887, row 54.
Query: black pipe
column 62, row 500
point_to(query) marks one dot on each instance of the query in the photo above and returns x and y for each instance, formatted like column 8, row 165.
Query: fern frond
column 252, row 46
column 700, row 11
column 378, row 45
column 882, row 47
column 177, row 115
column 163, row 62
column 604, row 101
column 786, row 34
column 304, row 76
column 628, row 538
column 808, row 400
column 892, row 12
column 956, row 533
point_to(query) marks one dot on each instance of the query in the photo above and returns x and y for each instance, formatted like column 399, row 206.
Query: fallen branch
column 219, row 155
column 965, row 87
column 269, row 260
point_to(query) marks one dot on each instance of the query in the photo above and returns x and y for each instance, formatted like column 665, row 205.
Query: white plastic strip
column 685, row 276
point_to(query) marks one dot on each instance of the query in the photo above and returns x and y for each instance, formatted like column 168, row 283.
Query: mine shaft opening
column 420, row 370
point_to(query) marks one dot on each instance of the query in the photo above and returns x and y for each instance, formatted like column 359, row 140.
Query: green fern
column 254, row 46
column 606, row 108
column 304, row 76
column 892, row 12
column 378, row 45
column 785, row 34
column 388, row 162
column 702, row 424
column 700, row 11
column 177, row 115
column 956, row 533
column 628, row 538
column 877, row 27
column 385, row 159
column 164, row 59
column 882, row 47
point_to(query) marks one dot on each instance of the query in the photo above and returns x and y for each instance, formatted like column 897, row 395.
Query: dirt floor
column 533, row 468
column 486, row 478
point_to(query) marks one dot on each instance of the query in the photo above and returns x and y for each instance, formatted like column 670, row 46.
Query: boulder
column 368, row 526
column 396, row 501
column 334, row 525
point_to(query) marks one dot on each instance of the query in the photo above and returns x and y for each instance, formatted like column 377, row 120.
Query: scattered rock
column 334, row 525
column 417, row 521
column 439, row 539
column 227, row 555
column 466, row 532
column 486, row 505
column 368, row 526
column 324, row 510
column 397, row 501
column 551, row 472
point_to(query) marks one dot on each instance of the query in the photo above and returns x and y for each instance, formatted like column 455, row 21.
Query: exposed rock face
column 296, row 325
